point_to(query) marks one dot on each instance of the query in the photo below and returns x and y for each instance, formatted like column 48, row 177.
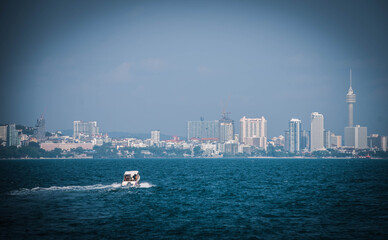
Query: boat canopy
column 131, row 173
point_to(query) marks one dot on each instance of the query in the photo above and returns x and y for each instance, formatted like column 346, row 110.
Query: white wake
column 112, row 186
column 146, row 185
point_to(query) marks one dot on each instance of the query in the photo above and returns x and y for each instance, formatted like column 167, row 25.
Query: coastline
column 256, row 157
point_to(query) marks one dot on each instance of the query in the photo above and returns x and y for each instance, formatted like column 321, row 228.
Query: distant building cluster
column 13, row 135
column 85, row 129
column 213, row 138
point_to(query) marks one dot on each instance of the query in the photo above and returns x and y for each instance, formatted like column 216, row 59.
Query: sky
column 137, row 66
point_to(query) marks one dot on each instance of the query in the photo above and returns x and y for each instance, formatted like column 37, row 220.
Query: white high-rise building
column 316, row 139
column 293, row 135
column 253, row 132
column 155, row 136
column 87, row 129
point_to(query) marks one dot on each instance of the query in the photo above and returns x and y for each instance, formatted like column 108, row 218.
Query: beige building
column 253, row 132
column 65, row 146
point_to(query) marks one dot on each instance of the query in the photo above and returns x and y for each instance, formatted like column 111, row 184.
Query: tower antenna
column 350, row 78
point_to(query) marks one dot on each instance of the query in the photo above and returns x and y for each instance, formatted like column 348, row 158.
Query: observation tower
column 350, row 99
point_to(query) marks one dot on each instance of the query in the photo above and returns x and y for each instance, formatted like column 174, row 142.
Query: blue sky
column 141, row 65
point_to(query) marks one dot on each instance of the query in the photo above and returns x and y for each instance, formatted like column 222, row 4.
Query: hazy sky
column 141, row 65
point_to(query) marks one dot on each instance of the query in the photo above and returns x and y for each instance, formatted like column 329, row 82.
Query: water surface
column 195, row 198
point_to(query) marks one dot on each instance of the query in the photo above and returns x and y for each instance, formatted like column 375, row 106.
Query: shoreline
column 257, row 157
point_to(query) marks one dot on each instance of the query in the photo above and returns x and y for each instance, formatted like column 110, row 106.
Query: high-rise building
column 230, row 147
column 377, row 142
column 226, row 129
column 336, row 141
column 279, row 141
column 355, row 137
column 12, row 135
column 383, row 142
column 40, row 131
column 3, row 133
column 86, row 129
column 293, row 135
column 327, row 139
column 202, row 130
column 155, row 136
column 253, row 132
column 305, row 140
column 316, row 139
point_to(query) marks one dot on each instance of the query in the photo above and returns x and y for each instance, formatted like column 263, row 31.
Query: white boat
column 131, row 178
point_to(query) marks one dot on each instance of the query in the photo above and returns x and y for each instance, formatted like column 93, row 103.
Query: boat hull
column 130, row 183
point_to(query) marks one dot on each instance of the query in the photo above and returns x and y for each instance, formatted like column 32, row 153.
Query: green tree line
column 33, row 150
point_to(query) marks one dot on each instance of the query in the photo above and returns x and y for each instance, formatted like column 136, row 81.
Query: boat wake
column 145, row 185
column 113, row 186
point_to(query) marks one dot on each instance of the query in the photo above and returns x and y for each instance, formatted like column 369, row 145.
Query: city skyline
column 214, row 129
column 127, row 65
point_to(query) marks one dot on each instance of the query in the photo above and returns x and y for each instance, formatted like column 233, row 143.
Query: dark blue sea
column 194, row 199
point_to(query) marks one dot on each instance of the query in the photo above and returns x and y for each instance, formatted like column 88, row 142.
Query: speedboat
column 131, row 178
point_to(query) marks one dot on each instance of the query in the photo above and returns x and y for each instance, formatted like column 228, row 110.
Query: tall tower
column 293, row 139
column 316, row 139
column 355, row 136
column 350, row 99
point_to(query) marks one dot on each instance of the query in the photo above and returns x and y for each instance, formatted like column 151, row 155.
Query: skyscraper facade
column 316, row 132
column 12, row 135
column 293, row 135
column 40, row 130
column 305, row 140
column 356, row 137
column 203, row 130
column 87, row 129
column 253, row 132
column 327, row 139
column 3, row 133
column 377, row 142
column 155, row 136
column 226, row 129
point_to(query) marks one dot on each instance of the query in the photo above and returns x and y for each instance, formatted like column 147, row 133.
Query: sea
column 194, row 199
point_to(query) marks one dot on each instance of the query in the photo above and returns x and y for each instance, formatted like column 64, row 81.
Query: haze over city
column 193, row 119
column 136, row 66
